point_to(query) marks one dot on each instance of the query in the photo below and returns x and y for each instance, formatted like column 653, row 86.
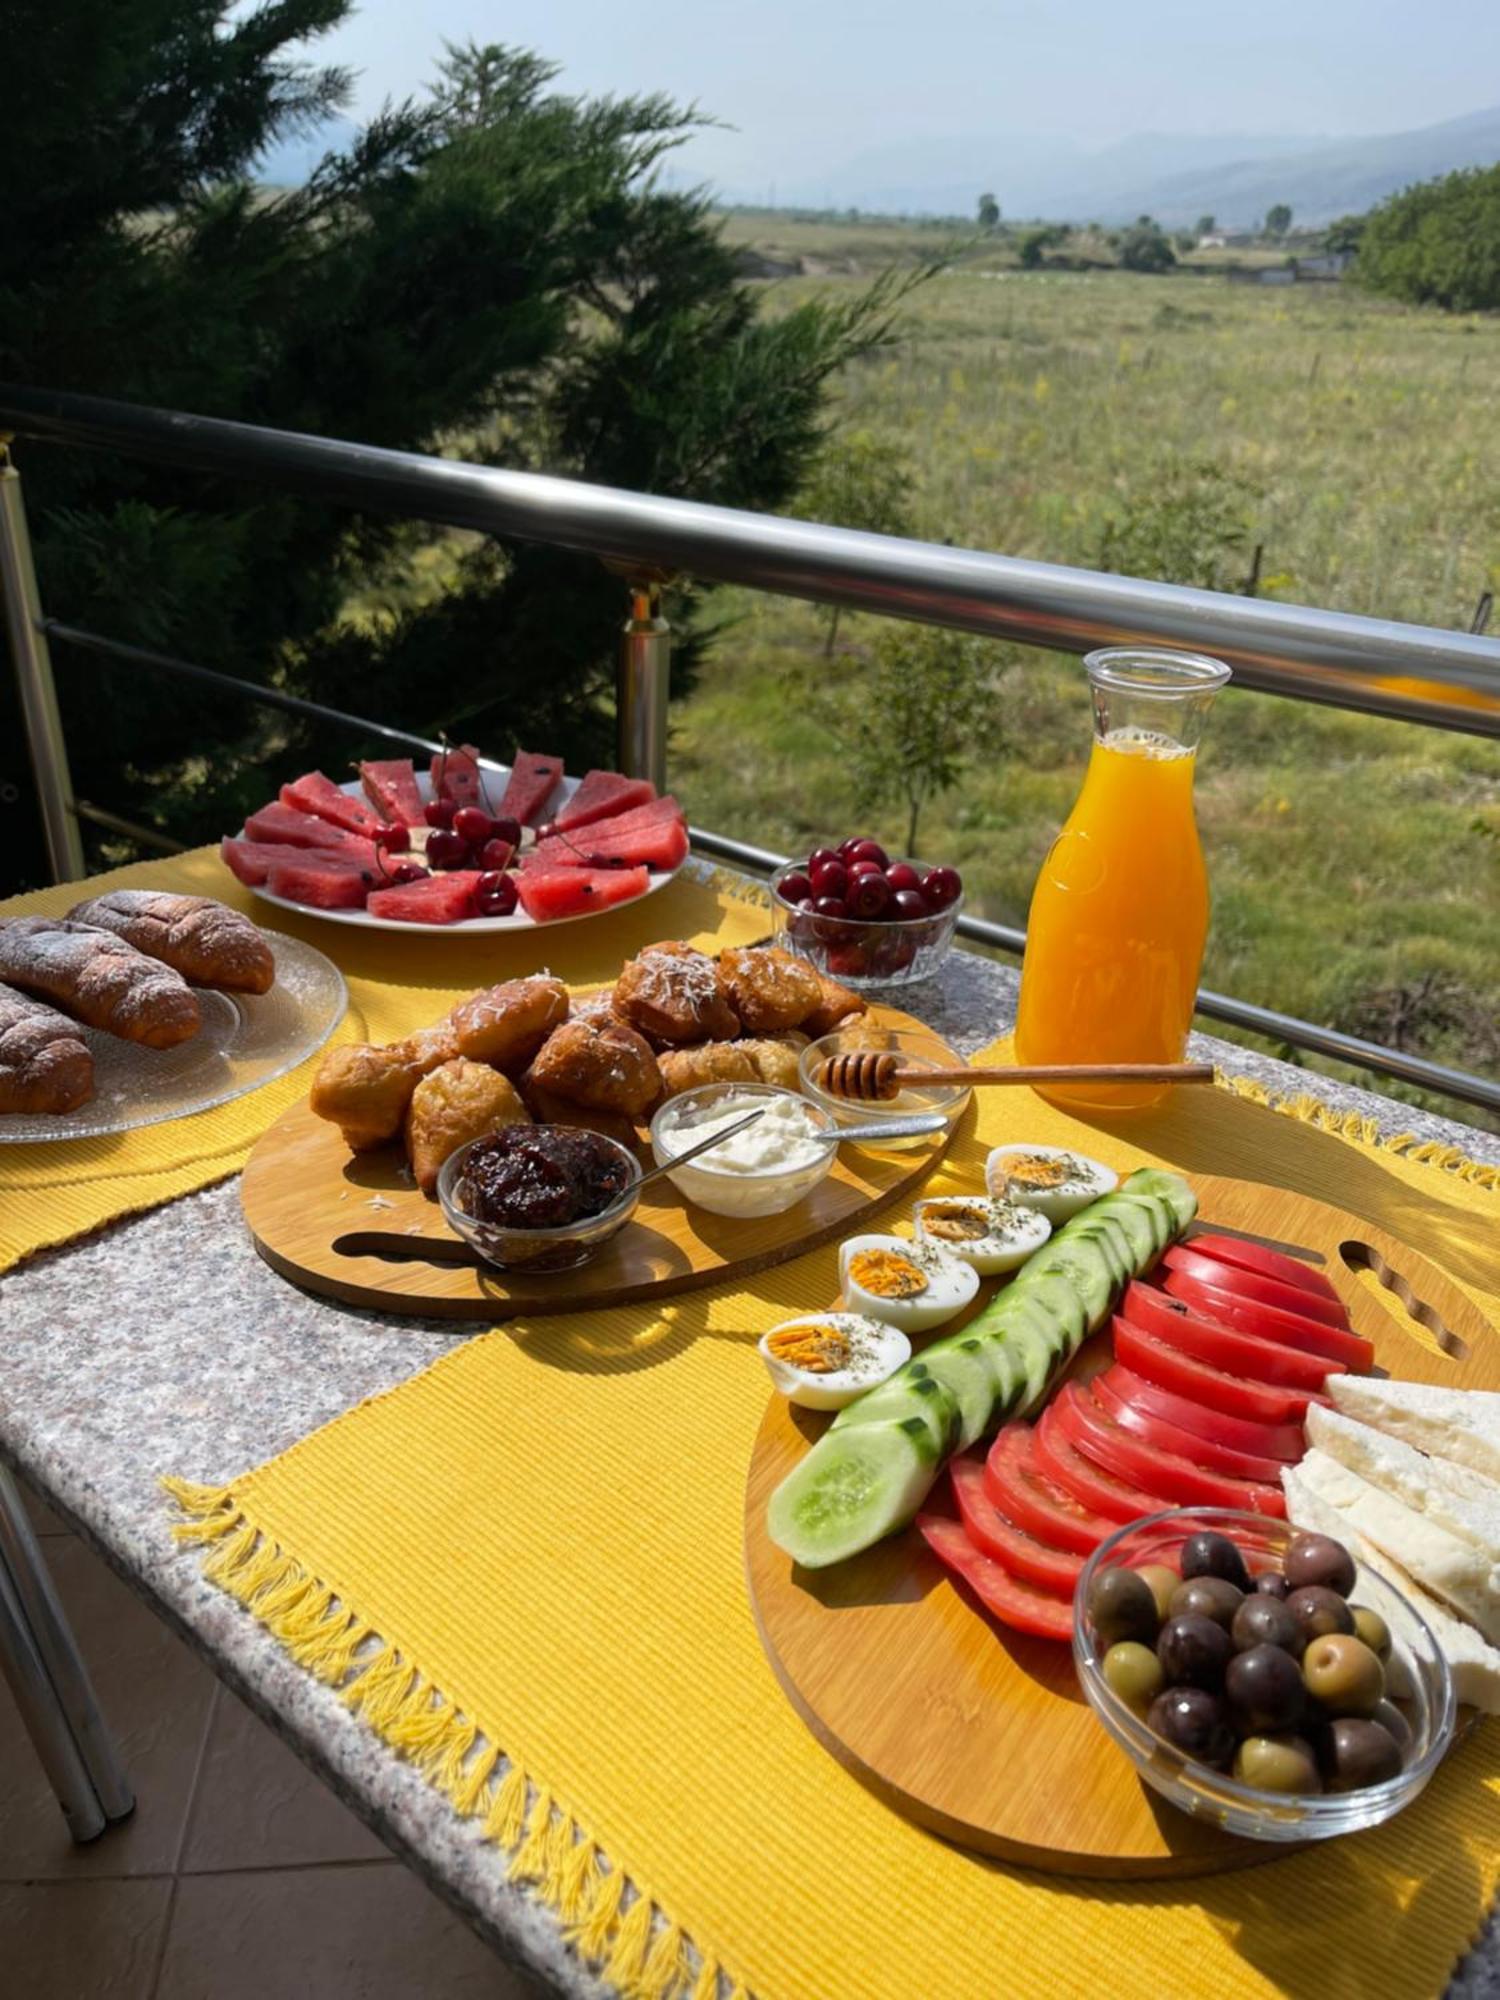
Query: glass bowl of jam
column 539, row 1197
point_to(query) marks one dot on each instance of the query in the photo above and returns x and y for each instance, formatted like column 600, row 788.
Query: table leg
column 39, row 1658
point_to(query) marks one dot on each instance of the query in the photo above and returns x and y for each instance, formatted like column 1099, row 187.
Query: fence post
column 641, row 688
column 33, row 665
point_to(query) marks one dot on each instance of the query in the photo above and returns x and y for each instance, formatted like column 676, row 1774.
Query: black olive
column 1273, row 1584
column 1264, row 1690
column 1208, row 1554
column 1320, row 1560
column 1121, row 1606
column 1210, row 1597
column 1262, row 1620
column 1355, row 1752
column 1193, row 1721
column 1319, row 1611
column 1193, row 1651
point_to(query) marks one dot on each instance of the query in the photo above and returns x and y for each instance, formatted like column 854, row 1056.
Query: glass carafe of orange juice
column 1119, row 915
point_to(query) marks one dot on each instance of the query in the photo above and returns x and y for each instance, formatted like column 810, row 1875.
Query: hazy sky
column 811, row 84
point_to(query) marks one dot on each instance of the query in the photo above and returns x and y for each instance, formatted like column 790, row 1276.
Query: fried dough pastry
column 547, row 1108
column 365, row 1091
column 598, row 1009
column 508, row 1024
column 769, row 988
column 836, row 1007
column 204, row 940
column 709, row 1062
column 860, row 1032
column 673, row 993
column 603, row 1069
column 772, row 1061
column 457, row 1102
column 44, row 1066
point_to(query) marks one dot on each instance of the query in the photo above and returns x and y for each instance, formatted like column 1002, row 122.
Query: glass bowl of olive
column 1258, row 1675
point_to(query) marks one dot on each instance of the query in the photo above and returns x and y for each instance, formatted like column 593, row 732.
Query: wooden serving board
column 983, row 1734
column 353, row 1227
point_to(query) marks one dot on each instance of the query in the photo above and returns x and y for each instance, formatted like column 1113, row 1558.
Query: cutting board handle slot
column 1422, row 1321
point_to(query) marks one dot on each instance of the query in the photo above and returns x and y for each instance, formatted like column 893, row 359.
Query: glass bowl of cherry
column 865, row 919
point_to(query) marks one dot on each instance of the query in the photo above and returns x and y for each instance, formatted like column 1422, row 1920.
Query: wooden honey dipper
column 871, row 1074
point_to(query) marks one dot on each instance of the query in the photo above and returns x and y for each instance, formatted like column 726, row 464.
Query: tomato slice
column 1262, row 1406
column 1057, row 1458
column 1251, row 1285
column 1171, row 1474
column 1175, row 1423
column 1023, row 1555
column 1312, row 1336
column 1020, row 1605
column 1256, row 1257
column 1236, row 1353
column 1028, row 1499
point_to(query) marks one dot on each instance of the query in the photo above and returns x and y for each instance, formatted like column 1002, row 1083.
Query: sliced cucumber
column 1103, row 1230
column 1059, row 1297
column 1086, row 1269
column 1163, row 1222
column 1034, row 1341
column 913, row 1391
column 1172, row 1188
column 854, row 1486
column 1131, row 1217
column 1001, row 1368
column 965, row 1371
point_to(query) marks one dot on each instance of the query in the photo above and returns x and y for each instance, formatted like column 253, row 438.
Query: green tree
column 863, row 481
column 494, row 269
column 1186, row 523
column 1437, row 243
column 910, row 722
column 1035, row 241
column 1278, row 219
column 1204, row 226
column 1144, row 247
column 989, row 212
column 1345, row 235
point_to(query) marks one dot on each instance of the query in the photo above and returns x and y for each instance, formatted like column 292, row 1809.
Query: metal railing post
column 641, row 687
column 33, row 665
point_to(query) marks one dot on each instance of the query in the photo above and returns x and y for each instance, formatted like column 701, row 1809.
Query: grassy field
column 1355, row 863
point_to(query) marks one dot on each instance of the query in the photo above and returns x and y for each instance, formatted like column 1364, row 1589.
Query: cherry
column 907, row 904
column 831, row 906
column 942, row 887
column 848, row 961
column 396, row 837
column 869, row 895
column 901, row 875
column 438, row 812
column 495, row 893
column 858, row 868
column 832, row 879
column 795, row 888
column 847, row 847
column 447, row 849
column 472, row 823
column 406, row 871
column 506, row 829
column 495, row 853
column 894, row 953
column 871, row 850
column 820, row 857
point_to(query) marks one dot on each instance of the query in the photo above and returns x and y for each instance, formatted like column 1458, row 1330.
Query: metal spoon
column 913, row 1126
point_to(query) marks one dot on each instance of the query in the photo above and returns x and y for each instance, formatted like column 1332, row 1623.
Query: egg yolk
column 955, row 1223
column 820, row 1350
column 1035, row 1170
column 886, row 1274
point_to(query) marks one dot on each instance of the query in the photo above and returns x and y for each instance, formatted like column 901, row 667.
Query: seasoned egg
column 825, row 1360
column 910, row 1285
column 1050, row 1179
column 989, row 1233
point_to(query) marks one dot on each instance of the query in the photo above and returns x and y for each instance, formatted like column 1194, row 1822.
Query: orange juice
column 1119, row 915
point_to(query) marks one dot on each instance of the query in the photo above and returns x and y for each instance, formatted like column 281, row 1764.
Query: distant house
column 1213, row 242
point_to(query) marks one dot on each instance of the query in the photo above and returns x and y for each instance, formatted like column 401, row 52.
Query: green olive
column 1343, row 1674
column 1280, row 1763
column 1134, row 1673
column 1121, row 1607
column 1372, row 1628
column 1161, row 1582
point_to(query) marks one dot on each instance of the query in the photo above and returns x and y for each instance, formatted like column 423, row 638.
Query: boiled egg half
column 910, row 1285
column 992, row 1235
column 1050, row 1179
column 825, row 1360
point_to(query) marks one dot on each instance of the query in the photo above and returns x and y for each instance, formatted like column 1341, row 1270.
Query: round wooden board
column 353, row 1227
column 982, row 1734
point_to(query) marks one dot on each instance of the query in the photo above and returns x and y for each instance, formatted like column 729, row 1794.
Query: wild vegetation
column 1176, row 427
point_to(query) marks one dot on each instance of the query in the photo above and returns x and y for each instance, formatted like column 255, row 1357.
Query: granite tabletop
column 91, row 1413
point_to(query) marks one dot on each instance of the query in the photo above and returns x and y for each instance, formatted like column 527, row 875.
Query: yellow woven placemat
column 525, row 1570
column 397, row 981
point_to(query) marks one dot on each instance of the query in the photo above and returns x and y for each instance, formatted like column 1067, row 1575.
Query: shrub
column 1437, row 243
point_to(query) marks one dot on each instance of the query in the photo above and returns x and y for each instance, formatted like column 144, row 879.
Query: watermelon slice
column 391, row 787
column 533, row 779
column 661, row 846
column 320, row 796
column 253, row 860
column 601, row 795
column 284, row 824
column 550, row 893
column 455, row 776
column 650, row 814
column 440, row 899
column 325, row 885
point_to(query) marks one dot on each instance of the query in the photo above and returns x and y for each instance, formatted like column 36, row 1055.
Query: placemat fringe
column 1363, row 1131
column 615, row 1924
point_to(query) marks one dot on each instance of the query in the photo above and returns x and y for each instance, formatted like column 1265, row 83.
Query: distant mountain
column 289, row 163
column 1176, row 177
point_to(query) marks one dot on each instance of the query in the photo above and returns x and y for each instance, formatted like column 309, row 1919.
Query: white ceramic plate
column 246, row 1040
column 519, row 921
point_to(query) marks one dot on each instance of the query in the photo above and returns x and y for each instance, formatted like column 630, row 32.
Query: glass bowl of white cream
column 768, row 1167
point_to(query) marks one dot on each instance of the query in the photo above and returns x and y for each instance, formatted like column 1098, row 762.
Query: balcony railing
column 1411, row 673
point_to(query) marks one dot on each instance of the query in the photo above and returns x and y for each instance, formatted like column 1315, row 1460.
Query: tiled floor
column 238, row 1877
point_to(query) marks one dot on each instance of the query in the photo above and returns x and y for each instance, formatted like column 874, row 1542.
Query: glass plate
column 246, row 1040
